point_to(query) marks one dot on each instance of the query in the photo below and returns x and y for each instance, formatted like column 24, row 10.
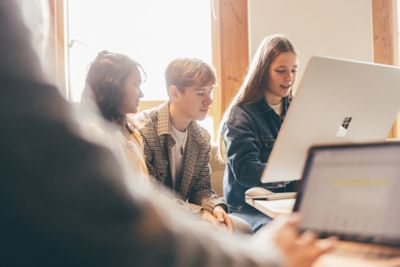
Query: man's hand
column 207, row 216
column 223, row 217
column 219, row 218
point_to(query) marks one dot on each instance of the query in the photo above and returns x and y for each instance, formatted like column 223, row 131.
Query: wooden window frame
column 58, row 49
column 384, row 21
column 230, row 51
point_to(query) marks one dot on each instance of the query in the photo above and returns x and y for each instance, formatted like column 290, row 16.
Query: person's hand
column 208, row 217
column 223, row 218
column 297, row 250
column 300, row 250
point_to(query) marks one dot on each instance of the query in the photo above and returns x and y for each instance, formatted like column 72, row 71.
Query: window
column 153, row 32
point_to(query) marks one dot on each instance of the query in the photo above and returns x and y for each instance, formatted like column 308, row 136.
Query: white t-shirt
column 177, row 153
column 277, row 108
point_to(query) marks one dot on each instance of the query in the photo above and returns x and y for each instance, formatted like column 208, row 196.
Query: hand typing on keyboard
column 298, row 250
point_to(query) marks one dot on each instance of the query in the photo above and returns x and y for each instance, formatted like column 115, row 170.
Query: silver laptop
column 337, row 101
column 353, row 191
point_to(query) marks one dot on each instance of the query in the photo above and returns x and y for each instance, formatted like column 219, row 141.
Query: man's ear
column 173, row 92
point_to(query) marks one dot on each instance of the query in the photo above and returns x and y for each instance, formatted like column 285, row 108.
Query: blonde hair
column 184, row 72
column 255, row 82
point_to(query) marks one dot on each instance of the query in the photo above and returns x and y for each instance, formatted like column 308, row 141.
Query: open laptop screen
column 352, row 191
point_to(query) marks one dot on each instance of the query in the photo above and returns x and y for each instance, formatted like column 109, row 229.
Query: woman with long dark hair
column 113, row 85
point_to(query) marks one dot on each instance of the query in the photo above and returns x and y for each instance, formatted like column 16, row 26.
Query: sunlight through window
column 153, row 32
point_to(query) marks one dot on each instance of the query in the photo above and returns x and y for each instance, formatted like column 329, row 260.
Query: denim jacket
column 249, row 135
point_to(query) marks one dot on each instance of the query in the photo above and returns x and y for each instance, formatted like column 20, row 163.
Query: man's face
column 194, row 101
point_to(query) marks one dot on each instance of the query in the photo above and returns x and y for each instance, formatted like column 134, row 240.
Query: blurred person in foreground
column 65, row 200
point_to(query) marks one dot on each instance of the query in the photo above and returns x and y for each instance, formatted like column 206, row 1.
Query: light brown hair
column 184, row 72
column 255, row 83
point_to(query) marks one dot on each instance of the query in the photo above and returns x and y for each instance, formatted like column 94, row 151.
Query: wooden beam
column 58, row 21
column 230, row 51
column 384, row 25
column 383, row 30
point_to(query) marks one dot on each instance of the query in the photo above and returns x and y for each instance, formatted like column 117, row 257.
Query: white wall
column 337, row 28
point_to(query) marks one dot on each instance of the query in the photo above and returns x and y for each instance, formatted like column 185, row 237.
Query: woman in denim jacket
column 251, row 124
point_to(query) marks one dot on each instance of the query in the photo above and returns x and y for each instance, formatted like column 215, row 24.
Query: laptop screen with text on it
column 353, row 191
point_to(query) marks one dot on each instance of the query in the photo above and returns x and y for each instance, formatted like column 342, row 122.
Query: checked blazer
column 195, row 186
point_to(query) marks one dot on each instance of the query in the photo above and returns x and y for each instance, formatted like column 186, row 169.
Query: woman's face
column 131, row 93
column 281, row 76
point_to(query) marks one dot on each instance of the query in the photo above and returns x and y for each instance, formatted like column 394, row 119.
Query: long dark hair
column 105, row 80
column 255, row 83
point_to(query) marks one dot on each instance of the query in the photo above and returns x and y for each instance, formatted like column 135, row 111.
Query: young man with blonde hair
column 177, row 149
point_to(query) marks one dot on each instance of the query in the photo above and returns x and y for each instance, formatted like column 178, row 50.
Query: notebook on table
column 269, row 203
column 353, row 191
